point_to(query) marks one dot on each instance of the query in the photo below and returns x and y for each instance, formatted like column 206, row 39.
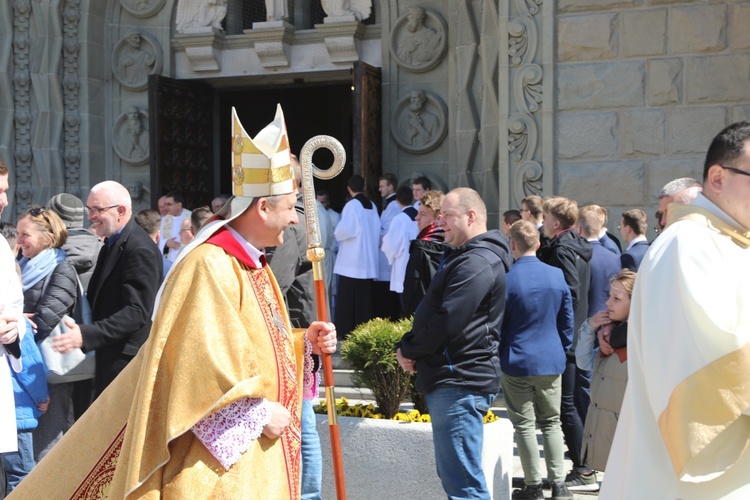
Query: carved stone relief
column 130, row 135
column 142, row 8
column 71, row 85
column 345, row 9
column 134, row 58
column 527, row 155
column 200, row 15
column 22, row 98
column 419, row 122
column 419, row 39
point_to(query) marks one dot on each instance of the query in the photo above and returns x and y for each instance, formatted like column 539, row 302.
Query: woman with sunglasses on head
column 50, row 290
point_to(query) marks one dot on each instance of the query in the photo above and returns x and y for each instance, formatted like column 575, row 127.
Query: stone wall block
column 590, row 135
column 663, row 171
column 589, row 37
column 739, row 20
column 605, row 85
column 618, row 183
column 740, row 112
column 718, row 78
column 644, row 33
column 690, row 130
column 698, row 28
column 664, row 82
column 590, row 5
column 642, row 132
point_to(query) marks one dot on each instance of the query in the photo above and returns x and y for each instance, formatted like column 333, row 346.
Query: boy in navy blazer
column 537, row 330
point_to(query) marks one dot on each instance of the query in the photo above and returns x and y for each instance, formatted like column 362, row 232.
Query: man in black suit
column 122, row 289
column 633, row 227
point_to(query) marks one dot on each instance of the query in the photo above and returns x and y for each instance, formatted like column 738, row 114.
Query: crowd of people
column 634, row 359
column 207, row 346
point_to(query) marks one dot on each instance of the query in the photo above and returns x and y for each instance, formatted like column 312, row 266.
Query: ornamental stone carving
column 142, row 8
column 419, row 122
column 419, row 39
column 358, row 10
column 130, row 136
column 199, row 16
column 134, row 58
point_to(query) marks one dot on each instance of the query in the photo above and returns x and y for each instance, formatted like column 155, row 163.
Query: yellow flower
column 402, row 417
column 414, row 415
column 425, row 418
column 490, row 417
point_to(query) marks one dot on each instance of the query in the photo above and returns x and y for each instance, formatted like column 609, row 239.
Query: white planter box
column 387, row 459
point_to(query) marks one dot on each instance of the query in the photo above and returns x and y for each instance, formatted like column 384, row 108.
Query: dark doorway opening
column 309, row 110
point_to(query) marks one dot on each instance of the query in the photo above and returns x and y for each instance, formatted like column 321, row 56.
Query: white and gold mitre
column 261, row 166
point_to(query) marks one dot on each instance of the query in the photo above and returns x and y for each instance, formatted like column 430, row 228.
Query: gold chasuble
column 221, row 334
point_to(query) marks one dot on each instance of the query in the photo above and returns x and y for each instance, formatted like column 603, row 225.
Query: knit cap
column 69, row 208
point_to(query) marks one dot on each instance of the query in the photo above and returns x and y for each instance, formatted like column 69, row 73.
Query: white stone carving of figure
column 135, row 61
column 419, row 44
column 135, row 140
column 193, row 14
column 277, row 10
column 360, row 9
column 418, row 126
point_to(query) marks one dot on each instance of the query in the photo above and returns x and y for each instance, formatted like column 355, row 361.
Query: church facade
column 603, row 101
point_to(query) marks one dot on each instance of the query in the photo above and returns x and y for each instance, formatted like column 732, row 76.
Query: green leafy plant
column 371, row 351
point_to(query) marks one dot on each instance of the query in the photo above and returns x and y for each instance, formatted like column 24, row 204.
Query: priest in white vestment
column 684, row 430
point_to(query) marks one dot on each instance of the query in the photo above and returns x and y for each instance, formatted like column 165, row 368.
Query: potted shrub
column 370, row 350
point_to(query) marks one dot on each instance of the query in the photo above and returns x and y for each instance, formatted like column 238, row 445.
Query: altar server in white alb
column 358, row 234
column 396, row 241
column 684, row 430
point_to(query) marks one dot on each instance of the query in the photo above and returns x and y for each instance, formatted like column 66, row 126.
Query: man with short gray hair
column 122, row 289
column 683, row 190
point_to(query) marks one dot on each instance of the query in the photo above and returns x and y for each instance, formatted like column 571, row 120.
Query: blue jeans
column 312, row 461
column 457, row 433
column 17, row 465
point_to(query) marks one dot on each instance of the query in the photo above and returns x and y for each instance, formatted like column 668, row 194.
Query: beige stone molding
column 130, row 136
column 419, row 40
column 419, row 122
column 202, row 48
column 142, row 8
column 134, row 57
column 342, row 40
column 272, row 40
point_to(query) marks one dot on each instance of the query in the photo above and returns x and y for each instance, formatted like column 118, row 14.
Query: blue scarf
column 36, row 269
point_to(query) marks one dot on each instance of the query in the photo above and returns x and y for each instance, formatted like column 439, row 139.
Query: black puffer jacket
column 59, row 299
column 456, row 331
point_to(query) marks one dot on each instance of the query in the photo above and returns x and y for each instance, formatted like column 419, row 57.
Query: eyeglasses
column 99, row 211
column 735, row 170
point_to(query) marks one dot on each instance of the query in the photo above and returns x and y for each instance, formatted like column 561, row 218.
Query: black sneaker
column 561, row 492
column 579, row 481
column 529, row 492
